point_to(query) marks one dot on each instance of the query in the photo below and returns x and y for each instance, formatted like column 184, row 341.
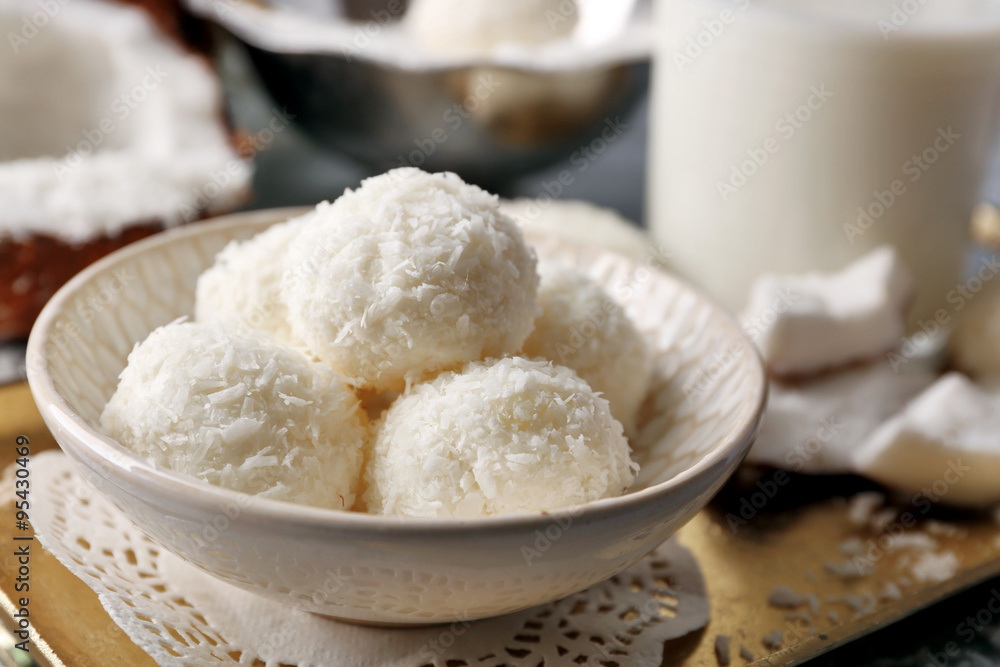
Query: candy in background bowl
column 362, row 89
column 698, row 422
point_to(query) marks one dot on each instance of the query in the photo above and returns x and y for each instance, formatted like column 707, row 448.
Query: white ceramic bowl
column 699, row 421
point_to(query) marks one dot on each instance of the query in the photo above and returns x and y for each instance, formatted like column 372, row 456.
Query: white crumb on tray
column 808, row 323
column 862, row 507
column 943, row 445
column 848, row 570
column 746, row 654
column 833, row 616
column 783, row 597
column 918, row 541
column 813, row 602
column 852, row 546
column 774, row 639
column 722, row 650
column 935, row 567
column 891, row 592
column 940, row 528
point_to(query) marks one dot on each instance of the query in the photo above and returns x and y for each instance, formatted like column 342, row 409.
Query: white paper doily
column 182, row 616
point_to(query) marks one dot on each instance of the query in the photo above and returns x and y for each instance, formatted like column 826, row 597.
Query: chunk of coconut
column 813, row 322
column 814, row 427
column 945, row 445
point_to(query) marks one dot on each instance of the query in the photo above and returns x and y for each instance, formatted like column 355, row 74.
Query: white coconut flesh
column 107, row 122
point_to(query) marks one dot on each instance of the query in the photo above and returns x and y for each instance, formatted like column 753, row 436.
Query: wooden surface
column 788, row 542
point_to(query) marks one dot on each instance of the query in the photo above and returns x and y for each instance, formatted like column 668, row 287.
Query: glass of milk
column 796, row 135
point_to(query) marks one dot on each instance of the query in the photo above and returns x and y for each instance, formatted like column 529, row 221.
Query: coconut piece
column 243, row 287
column 863, row 507
column 975, row 342
column 583, row 328
column 572, row 220
column 773, row 639
column 410, row 274
column 498, row 437
column 935, row 568
column 943, row 445
column 783, row 597
column 813, row 322
column 246, row 414
column 478, row 27
column 814, row 427
column 119, row 133
column 723, row 653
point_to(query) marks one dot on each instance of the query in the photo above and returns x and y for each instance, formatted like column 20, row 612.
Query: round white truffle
column 498, row 437
column 975, row 342
column 242, row 288
column 477, row 27
column 246, row 414
column 409, row 275
column 583, row 328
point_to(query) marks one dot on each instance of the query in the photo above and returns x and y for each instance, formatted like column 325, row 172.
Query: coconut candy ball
column 243, row 286
column 582, row 327
column 243, row 413
column 408, row 275
column 477, row 27
column 497, row 437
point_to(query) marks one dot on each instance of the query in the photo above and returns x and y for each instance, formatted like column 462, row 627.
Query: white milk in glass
column 792, row 135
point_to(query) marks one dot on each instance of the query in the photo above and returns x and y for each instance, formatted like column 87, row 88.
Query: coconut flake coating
column 500, row 436
column 408, row 275
column 582, row 327
column 243, row 286
column 246, row 414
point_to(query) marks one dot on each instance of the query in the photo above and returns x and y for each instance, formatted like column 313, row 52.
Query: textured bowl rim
column 188, row 490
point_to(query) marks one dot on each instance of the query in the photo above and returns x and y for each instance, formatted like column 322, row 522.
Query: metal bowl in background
column 489, row 123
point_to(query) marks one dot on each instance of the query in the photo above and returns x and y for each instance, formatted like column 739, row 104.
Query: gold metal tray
column 792, row 546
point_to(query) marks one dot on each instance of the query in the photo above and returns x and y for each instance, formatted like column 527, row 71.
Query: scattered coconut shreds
column 917, row 541
column 812, row 322
column 891, row 592
column 246, row 414
column 863, row 506
column 408, row 275
column 813, row 601
column 848, row 570
column 746, row 654
column 784, row 597
column 833, row 616
column 935, row 568
column 943, row 445
column 438, row 451
column 583, row 328
column 722, row 650
column 852, row 546
column 773, row 640
column 881, row 520
column 942, row 529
